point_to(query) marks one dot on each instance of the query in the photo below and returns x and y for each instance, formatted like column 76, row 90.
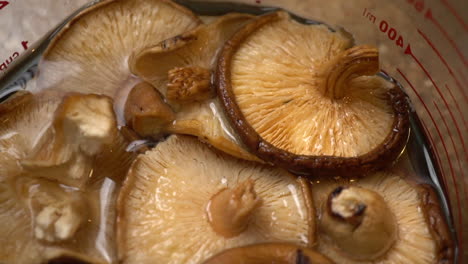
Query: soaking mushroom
column 381, row 219
column 55, row 222
column 90, row 54
column 269, row 253
column 180, row 68
column 43, row 222
column 82, row 142
column 49, row 219
column 302, row 97
column 183, row 202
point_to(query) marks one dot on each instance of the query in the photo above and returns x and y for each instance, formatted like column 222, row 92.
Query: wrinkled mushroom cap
column 302, row 97
column 180, row 68
column 415, row 241
column 169, row 193
column 269, row 253
column 90, row 54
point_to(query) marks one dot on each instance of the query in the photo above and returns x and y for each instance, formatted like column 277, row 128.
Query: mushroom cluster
column 156, row 135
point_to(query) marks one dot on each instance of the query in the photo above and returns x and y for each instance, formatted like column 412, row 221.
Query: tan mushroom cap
column 295, row 93
column 379, row 219
column 281, row 253
column 183, row 202
column 180, row 68
column 90, row 54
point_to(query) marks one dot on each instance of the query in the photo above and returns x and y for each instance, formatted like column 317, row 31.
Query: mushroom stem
column 359, row 222
column 352, row 63
column 229, row 210
column 189, row 84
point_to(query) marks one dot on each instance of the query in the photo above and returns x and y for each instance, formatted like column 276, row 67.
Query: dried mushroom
column 283, row 253
column 183, row 187
column 181, row 69
column 82, row 142
column 302, row 97
column 90, row 54
column 381, row 219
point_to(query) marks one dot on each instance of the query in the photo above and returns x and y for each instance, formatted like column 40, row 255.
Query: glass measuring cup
column 411, row 38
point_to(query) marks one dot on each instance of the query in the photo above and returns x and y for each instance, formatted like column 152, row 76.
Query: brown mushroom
column 181, row 69
column 146, row 112
column 380, row 219
column 183, row 187
column 302, row 97
column 90, row 54
column 269, row 253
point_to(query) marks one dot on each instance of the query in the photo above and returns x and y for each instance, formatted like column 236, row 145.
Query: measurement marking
column 425, row 107
column 453, row 145
column 456, row 105
column 443, row 61
column 3, row 4
column 409, row 52
column 460, row 73
column 460, row 222
column 460, row 217
column 429, row 16
column 436, row 152
column 455, row 13
column 4, row 64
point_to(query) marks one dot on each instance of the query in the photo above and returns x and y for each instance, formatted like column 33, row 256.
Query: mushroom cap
column 166, row 196
column 197, row 112
column 419, row 239
column 272, row 79
column 90, row 54
column 269, row 253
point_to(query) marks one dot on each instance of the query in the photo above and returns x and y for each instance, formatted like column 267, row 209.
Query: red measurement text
column 385, row 28
column 4, row 64
column 3, row 4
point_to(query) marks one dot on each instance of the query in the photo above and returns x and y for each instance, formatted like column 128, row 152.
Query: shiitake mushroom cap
column 381, row 156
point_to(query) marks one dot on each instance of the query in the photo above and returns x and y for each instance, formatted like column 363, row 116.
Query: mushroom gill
column 183, row 187
column 23, row 121
column 283, row 253
column 90, row 54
